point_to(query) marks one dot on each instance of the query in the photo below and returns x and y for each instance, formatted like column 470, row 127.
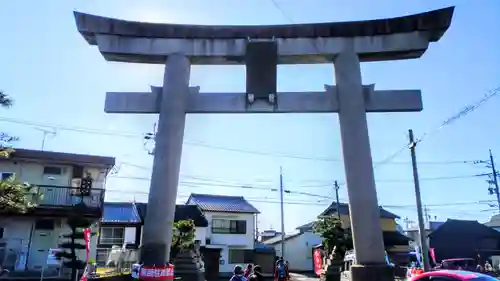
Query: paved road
column 303, row 277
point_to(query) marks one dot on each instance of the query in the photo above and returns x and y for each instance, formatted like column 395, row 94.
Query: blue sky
column 57, row 79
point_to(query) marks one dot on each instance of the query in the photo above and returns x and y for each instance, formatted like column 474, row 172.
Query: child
column 238, row 274
column 248, row 270
column 256, row 275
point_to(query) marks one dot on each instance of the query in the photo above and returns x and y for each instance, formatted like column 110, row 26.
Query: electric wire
column 125, row 134
column 461, row 113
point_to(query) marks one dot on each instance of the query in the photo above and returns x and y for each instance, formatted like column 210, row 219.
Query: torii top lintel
column 374, row 40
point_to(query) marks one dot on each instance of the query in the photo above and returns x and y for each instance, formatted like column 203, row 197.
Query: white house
column 231, row 227
column 298, row 248
column 26, row 239
column 122, row 223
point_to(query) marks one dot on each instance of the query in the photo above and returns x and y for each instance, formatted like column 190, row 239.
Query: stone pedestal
column 380, row 272
column 187, row 267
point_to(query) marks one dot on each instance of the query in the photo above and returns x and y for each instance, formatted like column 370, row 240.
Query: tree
column 336, row 239
column 71, row 247
column 5, row 139
column 5, row 100
column 16, row 197
column 183, row 237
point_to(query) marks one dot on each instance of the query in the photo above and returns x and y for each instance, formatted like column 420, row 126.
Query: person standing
column 256, row 274
column 238, row 274
column 279, row 272
column 248, row 270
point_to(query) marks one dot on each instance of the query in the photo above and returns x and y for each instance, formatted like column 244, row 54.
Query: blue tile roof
column 222, row 203
column 120, row 213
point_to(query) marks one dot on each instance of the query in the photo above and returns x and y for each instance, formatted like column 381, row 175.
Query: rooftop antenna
column 51, row 133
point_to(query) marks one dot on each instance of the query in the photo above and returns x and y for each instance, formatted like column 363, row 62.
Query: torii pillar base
column 381, row 272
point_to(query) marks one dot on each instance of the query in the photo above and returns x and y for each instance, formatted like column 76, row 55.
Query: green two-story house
column 25, row 239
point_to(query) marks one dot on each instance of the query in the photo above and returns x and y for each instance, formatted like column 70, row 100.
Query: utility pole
column 337, row 198
column 421, row 226
column 282, row 215
column 495, row 180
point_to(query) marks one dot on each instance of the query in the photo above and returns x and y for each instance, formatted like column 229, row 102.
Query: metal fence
column 52, row 195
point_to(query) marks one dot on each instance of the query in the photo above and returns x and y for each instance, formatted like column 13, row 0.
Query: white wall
column 298, row 251
column 245, row 241
column 230, row 241
column 32, row 172
column 16, row 233
column 201, row 234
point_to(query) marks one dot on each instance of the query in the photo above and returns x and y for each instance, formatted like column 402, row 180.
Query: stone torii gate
column 261, row 49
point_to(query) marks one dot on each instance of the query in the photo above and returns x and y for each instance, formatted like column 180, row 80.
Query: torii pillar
column 261, row 48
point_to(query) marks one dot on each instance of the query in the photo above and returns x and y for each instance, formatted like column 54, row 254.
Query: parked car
column 466, row 264
column 452, row 275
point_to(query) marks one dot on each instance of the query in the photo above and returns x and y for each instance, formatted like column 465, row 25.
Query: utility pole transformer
column 420, row 213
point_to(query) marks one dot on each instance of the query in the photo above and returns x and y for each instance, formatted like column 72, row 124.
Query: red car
column 453, row 275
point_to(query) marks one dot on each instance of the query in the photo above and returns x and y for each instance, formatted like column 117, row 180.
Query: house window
column 222, row 226
column 240, row 256
column 51, row 170
column 112, row 235
column 6, row 176
column 1, row 232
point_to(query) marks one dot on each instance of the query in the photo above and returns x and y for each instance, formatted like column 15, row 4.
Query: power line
column 257, row 187
column 124, row 134
column 462, row 113
column 204, row 184
column 227, row 185
column 326, row 183
column 319, row 202
column 285, row 15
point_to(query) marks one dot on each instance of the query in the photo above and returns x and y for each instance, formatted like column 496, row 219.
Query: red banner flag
column 433, row 255
column 318, row 262
column 157, row 273
column 86, row 236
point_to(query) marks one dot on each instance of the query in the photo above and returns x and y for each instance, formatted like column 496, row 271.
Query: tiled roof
column 306, row 227
column 277, row 239
column 466, row 228
column 63, row 157
column 494, row 221
column 344, row 210
column 222, row 203
column 120, row 212
column 182, row 212
column 395, row 238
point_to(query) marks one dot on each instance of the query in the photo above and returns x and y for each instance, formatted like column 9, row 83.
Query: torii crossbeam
column 261, row 49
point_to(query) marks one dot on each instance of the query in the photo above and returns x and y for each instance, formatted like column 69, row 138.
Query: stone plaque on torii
column 261, row 49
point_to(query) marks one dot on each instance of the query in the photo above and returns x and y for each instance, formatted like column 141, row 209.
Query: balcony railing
column 52, row 195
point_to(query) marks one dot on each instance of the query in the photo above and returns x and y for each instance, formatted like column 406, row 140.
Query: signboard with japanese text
column 157, row 273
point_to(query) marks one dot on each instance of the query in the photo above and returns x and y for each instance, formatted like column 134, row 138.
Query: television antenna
column 46, row 133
